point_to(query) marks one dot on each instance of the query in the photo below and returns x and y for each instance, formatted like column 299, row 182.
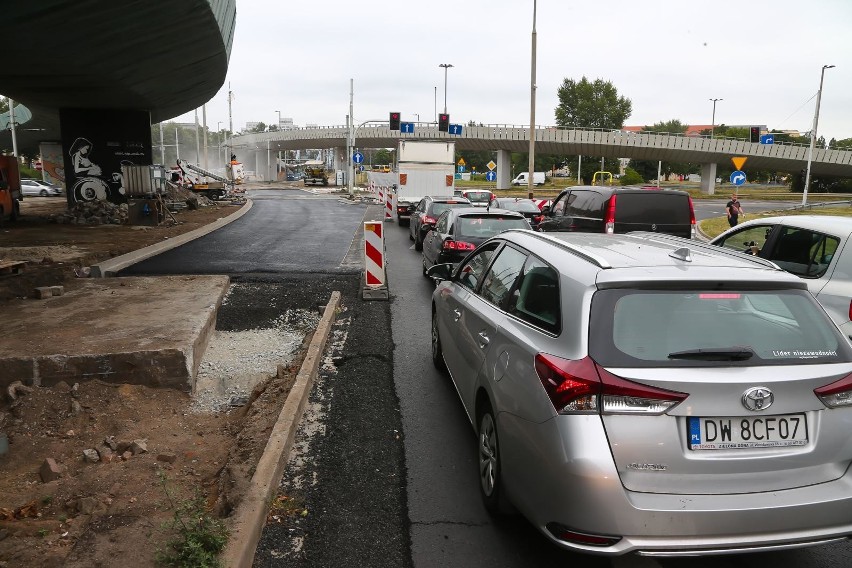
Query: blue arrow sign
column 357, row 157
column 455, row 129
column 491, row 176
column 407, row 127
column 767, row 139
column 738, row 177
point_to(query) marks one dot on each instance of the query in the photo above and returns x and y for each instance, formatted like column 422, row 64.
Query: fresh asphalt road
column 392, row 464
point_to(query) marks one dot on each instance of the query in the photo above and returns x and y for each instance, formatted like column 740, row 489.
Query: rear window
column 652, row 206
column 441, row 206
column 485, row 226
column 648, row 328
column 478, row 196
column 521, row 206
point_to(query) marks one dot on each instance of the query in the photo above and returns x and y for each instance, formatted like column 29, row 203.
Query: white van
column 523, row 179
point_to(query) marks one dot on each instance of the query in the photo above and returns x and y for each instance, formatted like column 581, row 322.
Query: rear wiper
column 715, row 354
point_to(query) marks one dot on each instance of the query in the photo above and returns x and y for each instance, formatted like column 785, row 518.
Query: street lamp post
column 279, row 120
column 219, row 139
column 813, row 135
column 445, row 66
column 713, row 124
column 531, row 174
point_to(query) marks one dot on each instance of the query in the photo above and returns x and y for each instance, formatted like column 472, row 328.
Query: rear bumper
column 579, row 487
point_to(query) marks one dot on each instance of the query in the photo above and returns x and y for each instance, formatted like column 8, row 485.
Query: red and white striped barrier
column 381, row 194
column 374, row 254
column 542, row 202
column 389, row 205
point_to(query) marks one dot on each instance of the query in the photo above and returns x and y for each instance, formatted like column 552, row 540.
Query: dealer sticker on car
column 747, row 432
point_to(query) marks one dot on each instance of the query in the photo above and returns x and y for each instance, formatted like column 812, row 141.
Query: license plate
column 747, row 432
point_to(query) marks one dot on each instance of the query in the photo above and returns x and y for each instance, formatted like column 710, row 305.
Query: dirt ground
column 154, row 453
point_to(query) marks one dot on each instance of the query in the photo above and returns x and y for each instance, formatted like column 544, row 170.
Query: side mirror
column 440, row 272
column 545, row 210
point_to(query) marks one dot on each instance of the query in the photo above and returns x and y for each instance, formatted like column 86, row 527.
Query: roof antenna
column 682, row 254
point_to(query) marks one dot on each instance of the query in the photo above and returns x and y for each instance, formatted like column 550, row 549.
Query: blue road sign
column 357, row 157
column 361, row 168
column 407, row 127
column 455, row 129
column 491, row 176
column 767, row 139
column 738, row 177
column 461, row 169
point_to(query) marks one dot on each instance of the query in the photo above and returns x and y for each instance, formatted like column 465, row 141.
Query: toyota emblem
column 653, row 226
column 758, row 398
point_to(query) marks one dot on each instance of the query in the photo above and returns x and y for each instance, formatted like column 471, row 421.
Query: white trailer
column 425, row 168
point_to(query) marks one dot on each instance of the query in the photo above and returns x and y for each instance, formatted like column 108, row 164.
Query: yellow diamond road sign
column 461, row 161
column 739, row 161
column 491, row 165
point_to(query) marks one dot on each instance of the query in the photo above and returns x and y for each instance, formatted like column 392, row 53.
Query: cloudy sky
column 669, row 57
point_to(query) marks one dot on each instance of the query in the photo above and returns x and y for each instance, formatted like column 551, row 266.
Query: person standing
column 734, row 210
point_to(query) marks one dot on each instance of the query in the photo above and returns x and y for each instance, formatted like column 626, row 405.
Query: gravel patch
column 236, row 361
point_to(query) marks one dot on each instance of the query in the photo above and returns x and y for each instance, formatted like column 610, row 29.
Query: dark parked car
column 460, row 230
column 604, row 209
column 426, row 215
column 699, row 407
column 527, row 207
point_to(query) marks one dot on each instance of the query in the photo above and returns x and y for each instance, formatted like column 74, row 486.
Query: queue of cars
column 647, row 392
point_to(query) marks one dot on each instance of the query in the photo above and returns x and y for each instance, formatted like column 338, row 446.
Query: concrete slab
column 142, row 330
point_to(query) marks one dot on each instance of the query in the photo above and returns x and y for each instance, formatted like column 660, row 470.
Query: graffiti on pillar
column 96, row 143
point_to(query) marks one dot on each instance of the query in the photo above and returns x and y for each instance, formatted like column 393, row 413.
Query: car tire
column 490, row 465
column 43, row 193
column 418, row 242
column 437, row 350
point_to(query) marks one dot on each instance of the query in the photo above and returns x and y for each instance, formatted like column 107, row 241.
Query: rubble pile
column 94, row 213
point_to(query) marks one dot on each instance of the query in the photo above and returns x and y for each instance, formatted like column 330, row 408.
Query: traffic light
column 394, row 121
column 755, row 134
column 443, row 122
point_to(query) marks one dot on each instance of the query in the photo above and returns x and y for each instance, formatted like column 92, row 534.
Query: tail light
column 453, row 246
column 584, row 387
column 836, row 394
column 492, row 196
column 692, row 229
column 537, row 219
column 561, row 532
column 850, row 309
column 427, row 220
column 609, row 218
column 402, row 209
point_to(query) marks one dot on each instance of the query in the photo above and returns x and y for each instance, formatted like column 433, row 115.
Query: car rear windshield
column 521, row 206
column 485, row 226
column 478, row 196
column 441, row 206
column 663, row 328
column 660, row 207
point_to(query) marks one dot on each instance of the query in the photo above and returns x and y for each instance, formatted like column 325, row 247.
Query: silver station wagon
column 650, row 394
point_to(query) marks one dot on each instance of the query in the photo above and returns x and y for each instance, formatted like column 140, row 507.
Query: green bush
column 631, row 177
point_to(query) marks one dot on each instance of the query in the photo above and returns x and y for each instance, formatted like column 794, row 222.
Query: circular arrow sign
column 738, row 177
column 491, row 176
column 357, row 157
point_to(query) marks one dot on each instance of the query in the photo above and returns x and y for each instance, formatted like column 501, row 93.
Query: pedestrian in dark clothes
column 734, row 210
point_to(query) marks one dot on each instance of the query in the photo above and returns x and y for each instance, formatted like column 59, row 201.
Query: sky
column 763, row 58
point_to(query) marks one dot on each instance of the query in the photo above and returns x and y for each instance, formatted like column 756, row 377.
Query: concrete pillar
column 708, row 178
column 504, row 169
column 96, row 143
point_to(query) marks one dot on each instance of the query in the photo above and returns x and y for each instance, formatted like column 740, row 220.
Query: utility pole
column 531, row 176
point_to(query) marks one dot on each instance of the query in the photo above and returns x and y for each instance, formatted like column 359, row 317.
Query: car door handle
column 456, row 315
column 483, row 339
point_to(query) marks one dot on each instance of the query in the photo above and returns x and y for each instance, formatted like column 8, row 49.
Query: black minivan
column 605, row 209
